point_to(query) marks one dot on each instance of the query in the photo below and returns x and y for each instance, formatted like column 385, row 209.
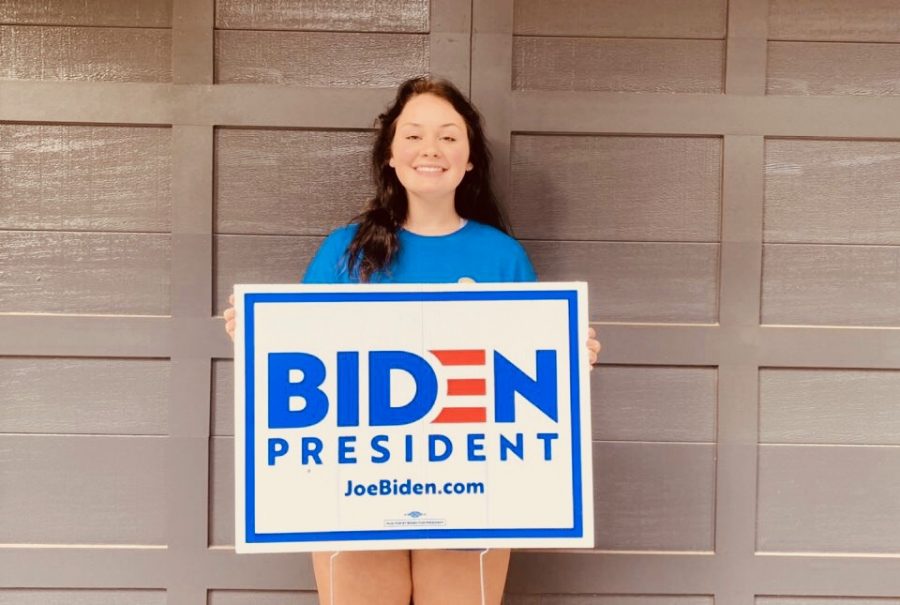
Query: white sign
column 412, row 416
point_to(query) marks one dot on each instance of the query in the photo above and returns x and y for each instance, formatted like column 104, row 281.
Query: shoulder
column 341, row 237
column 328, row 264
column 489, row 234
column 486, row 235
column 508, row 257
column 336, row 243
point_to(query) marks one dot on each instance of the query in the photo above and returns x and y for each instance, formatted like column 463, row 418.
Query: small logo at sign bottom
column 415, row 518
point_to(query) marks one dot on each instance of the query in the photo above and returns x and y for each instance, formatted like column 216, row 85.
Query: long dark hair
column 376, row 242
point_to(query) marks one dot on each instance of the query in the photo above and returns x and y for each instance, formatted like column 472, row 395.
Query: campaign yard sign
column 412, row 416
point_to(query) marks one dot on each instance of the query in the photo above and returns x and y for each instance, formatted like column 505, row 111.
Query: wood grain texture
column 829, row 68
column 745, row 47
column 262, row 597
column 221, row 491
column 319, row 59
column 616, row 188
column 81, row 596
column 134, row 13
column 83, row 490
column 648, row 403
column 860, row 21
column 824, row 601
column 832, row 192
column 831, row 117
column 93, row 335
column 829, row 499
column 86, row 178
column 258, row 259
column 612, row 18
column 96, row 54
column 626, row 600
column 654, row 496
column 89, row 273
column 636, row 282
column 331, row 15
column 831, row 285
column 222, row 411
column 829, row 406
column 618, row 65
column 521, row 599
column 290, row 181
column 77, row 395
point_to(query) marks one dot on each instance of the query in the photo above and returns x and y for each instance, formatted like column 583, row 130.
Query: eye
column 451, row 139
column 413, row 137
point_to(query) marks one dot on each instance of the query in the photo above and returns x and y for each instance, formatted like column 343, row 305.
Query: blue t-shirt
column 476, row 251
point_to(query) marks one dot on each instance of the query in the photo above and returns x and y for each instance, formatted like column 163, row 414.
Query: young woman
column 434, row 218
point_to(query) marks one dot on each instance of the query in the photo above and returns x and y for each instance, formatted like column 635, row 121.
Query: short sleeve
column 523, row 270
column 328, row 266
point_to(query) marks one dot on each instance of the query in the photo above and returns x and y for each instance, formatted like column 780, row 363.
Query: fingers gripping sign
column 593, row 346
column 230, row 317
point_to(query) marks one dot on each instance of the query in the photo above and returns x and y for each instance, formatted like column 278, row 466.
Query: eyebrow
column 441, row 126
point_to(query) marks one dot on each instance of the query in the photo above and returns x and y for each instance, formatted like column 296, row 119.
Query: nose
column 430, row 148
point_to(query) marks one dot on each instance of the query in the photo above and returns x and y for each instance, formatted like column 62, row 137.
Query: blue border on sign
column 250, row 300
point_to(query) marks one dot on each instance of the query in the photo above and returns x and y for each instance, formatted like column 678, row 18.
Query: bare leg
column 364, row 577
column 449, row 577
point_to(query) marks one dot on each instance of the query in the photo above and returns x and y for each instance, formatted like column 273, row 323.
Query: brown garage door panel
column 335, row 15
column 142, row 13
column 623, row 65
column 837, row 20
column 832, row 499
column 86, row 273
column 654, row 496
column 608, row 18
column 78, row 395
column 637, row 282
column 221, row 491
column 832, row 192
column 838, row 600
column 832, row 68
column 616, row 188
column 829, row 406
column 86, row 178
column 222, row 405
column 290, row 181
column 831, row 285
column 97, row 54
column 329, row 59
column 651, row 403
column 262, row 597
column 617, row 600
column 83, row 489
column 81, row 596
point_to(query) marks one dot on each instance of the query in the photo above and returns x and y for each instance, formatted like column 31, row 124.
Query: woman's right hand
column 230, row 318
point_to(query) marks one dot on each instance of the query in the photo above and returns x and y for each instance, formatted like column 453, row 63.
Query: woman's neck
column 431, row 217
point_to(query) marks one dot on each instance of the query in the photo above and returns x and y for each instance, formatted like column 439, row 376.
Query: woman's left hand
column 593, row 346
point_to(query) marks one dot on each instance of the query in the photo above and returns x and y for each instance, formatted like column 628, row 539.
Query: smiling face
column 430, row 149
